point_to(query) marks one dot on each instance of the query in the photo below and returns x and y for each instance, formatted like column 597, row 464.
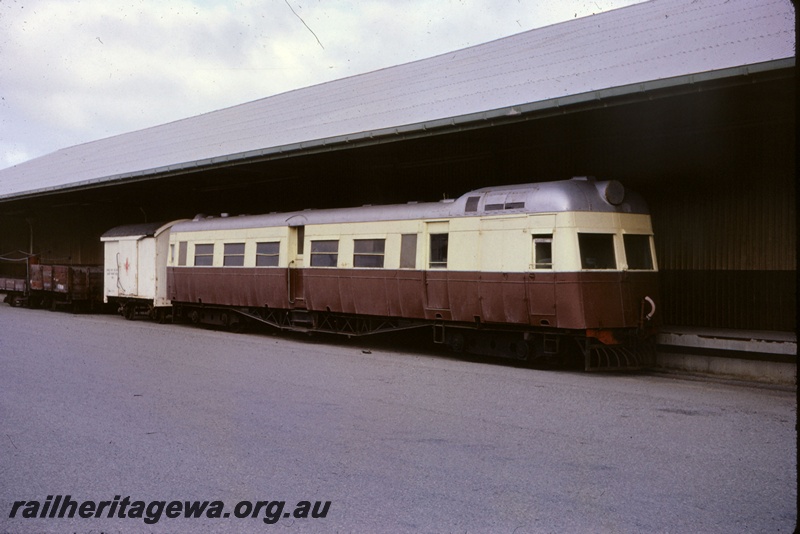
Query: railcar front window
column 267, row 254
column 597, row 251
column 234, row 255
column 637, row 252
column 543, row 252
column 438, row 259
column 204, row 255
column 368, row 253
column 324, row 253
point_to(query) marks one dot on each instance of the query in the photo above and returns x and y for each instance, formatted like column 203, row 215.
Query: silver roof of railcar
column 578, row 194
column 629, row 51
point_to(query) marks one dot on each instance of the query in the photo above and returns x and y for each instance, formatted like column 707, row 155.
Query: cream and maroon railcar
column 522, row 271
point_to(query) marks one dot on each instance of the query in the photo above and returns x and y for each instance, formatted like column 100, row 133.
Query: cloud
column 71, row 72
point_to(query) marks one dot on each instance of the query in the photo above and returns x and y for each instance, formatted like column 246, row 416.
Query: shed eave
column 525, row 111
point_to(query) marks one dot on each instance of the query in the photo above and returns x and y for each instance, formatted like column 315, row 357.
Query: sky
column 73, row 71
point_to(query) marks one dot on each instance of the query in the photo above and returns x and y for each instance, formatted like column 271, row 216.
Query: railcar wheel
column 237, row 327
column 456, row 341
column 129, row 311
column 519, row 349
column 194, row 316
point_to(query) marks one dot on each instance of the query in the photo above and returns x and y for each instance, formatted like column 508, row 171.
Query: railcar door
column 541, row 285
column 294, row 271
column 436, row 286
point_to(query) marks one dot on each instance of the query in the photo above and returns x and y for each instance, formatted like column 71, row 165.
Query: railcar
column 537, row 271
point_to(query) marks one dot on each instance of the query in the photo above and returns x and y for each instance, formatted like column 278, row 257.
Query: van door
column 127, row 259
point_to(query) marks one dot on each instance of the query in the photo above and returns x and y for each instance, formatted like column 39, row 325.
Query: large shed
column 690, row 102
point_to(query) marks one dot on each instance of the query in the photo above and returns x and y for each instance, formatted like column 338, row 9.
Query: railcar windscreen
column 597, row 251
column 637, row 252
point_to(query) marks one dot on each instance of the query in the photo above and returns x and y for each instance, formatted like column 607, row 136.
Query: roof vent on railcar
column 612, row 191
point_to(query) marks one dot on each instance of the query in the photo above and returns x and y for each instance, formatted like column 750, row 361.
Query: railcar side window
column 637, row 252
column 301, row 239
column 543, row 251
column 234, row 255
column 408, row 251
column 182, row 248
column 368, row 252
column 204, row 255
column 324, row 253
column 267, row 254
column 438, row 258
column 597, row 251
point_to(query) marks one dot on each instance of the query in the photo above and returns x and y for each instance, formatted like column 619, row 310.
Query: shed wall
column 726, row 238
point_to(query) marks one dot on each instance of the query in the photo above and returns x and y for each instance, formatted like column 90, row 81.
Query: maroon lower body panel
column 226, row 286
column 577, row 300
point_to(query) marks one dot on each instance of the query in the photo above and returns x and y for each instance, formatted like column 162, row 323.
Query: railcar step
column 301, row 318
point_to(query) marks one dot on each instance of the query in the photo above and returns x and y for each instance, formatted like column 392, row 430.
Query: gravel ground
column 398, row 437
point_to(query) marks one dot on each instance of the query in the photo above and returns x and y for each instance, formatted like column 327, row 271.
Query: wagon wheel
column 456, row 341
column 129, row 311
column 519, row 349
column 237, row 326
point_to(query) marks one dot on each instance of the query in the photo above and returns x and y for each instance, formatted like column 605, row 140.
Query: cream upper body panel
column 503, row 243
column 544, row 226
